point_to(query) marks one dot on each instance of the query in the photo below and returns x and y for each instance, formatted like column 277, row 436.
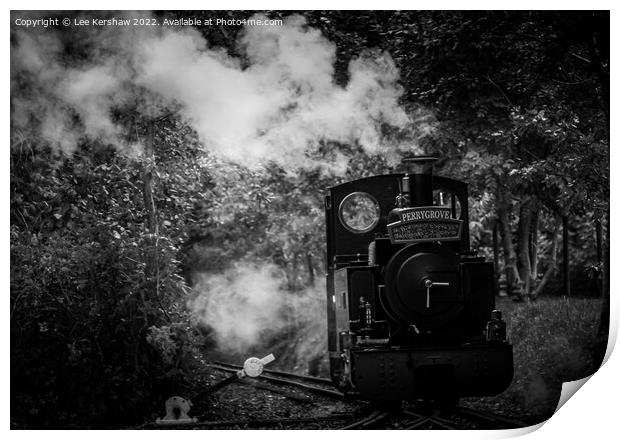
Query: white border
column 591, row 413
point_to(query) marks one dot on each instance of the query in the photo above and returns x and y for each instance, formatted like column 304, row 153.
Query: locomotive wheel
column 411, row 294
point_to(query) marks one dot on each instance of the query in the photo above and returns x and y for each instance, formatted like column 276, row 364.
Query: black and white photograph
column 307, row 219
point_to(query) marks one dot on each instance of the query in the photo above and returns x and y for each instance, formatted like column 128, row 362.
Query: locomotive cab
column 411, row 310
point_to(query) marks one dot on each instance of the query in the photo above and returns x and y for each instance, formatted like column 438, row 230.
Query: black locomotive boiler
column 411, row 310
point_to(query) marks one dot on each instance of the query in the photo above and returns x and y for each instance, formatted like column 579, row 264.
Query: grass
column 554, row 340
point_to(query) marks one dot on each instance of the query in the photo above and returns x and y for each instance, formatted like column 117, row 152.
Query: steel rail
column 374, row 417
column 489, row 417
column 422, row 419
column 268, row 377
column 319, row 380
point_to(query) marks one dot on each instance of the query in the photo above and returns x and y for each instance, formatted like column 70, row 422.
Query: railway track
column 459, row 417
column 278, row 373
column 408, row 416
column 455, row 418
column 308, row 383
column 492, row 421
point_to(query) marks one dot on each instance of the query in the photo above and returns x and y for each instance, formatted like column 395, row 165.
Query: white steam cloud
column 277, row 104
column 249, row 303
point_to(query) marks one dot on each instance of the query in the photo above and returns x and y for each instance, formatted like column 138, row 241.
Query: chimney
column 420, row 176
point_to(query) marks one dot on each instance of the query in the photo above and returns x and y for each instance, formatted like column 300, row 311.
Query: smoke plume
column 277, row 102
column 248, row 305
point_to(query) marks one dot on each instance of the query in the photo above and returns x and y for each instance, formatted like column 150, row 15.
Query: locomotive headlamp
column 359, row 212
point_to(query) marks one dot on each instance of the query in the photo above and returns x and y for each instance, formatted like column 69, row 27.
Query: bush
column 83, row 298
column 554, row 341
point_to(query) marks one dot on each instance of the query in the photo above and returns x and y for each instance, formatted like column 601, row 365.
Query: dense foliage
column 569, row 327
column 105, row 246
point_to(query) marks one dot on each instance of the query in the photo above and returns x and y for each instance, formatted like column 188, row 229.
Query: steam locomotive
column 411, row 309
